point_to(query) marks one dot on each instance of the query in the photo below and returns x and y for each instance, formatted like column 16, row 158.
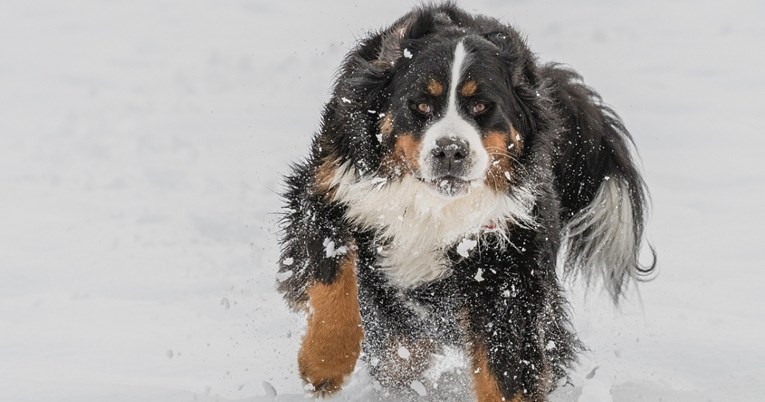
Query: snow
column 143, row 145
column 403, row 353
column 331, row 251
column 465, row 245
column 418, row 387
column 478, row 275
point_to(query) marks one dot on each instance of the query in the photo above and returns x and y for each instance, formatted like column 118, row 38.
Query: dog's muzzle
column 450, row 163
column 451, row 157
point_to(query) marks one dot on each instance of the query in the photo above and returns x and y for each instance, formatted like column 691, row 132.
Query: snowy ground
column 142, row 143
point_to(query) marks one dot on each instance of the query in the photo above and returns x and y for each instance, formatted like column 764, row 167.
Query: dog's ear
column 520, row 63
column 411, row 27
column 526, row 87
column 368, row 70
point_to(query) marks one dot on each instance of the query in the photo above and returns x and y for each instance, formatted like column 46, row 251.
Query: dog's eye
column 478, row 108
column 424, row 108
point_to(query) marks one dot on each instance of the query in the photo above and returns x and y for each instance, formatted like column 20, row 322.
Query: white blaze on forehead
column 453, row 124
column 458, row 66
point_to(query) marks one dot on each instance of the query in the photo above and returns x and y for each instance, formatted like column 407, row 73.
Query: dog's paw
column 322, row 377
column 323, row 387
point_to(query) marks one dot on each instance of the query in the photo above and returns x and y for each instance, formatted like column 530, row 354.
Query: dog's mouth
column 450, row 186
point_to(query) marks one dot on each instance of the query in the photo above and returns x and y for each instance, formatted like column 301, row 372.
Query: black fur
column 572, row 142
column 594, row 144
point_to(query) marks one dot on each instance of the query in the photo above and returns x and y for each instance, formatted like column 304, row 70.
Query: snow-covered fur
column 601, row 236
column 451, row 172
column 603, row 197
column 399, row 209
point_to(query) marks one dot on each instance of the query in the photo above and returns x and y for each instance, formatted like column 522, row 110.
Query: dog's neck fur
column 417, row 226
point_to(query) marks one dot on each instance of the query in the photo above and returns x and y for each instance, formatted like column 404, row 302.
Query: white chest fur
column 419, row 225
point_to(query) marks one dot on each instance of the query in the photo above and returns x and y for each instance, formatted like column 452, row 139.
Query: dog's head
column 443, row 97
column 448, row 122
column 452, row 105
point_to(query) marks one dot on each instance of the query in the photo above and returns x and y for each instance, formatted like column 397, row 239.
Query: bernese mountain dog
column 451, row 175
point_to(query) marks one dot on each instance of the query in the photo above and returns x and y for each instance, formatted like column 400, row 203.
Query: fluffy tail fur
column 603, row 198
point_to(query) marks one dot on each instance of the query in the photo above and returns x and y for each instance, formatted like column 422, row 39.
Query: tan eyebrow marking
column 469, row 88
column 435, row 88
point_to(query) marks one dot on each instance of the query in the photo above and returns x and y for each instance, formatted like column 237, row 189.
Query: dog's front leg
column 510, row 321
column 318, row 275
column 507, row 363
column 332, row 342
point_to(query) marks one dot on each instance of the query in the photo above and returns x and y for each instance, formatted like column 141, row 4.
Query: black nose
column 450, row 156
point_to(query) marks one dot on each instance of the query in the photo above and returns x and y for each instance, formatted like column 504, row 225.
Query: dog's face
column 432, row 136
column 449, row 121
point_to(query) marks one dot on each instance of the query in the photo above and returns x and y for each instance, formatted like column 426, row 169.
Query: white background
column 142, row 145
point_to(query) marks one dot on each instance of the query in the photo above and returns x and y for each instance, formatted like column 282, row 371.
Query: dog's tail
column 603, row 198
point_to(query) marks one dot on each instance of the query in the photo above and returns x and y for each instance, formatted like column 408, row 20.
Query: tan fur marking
column 515, row 137
column 405, row 156
column 324, row 175
column 435, row 88
column 332, row 342
column 469, row 88
column 485, row 382
column 386, row 125
column 409, row 148
column 495, row 143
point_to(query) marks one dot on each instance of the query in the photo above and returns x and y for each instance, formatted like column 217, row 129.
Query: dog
column 451, row 175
